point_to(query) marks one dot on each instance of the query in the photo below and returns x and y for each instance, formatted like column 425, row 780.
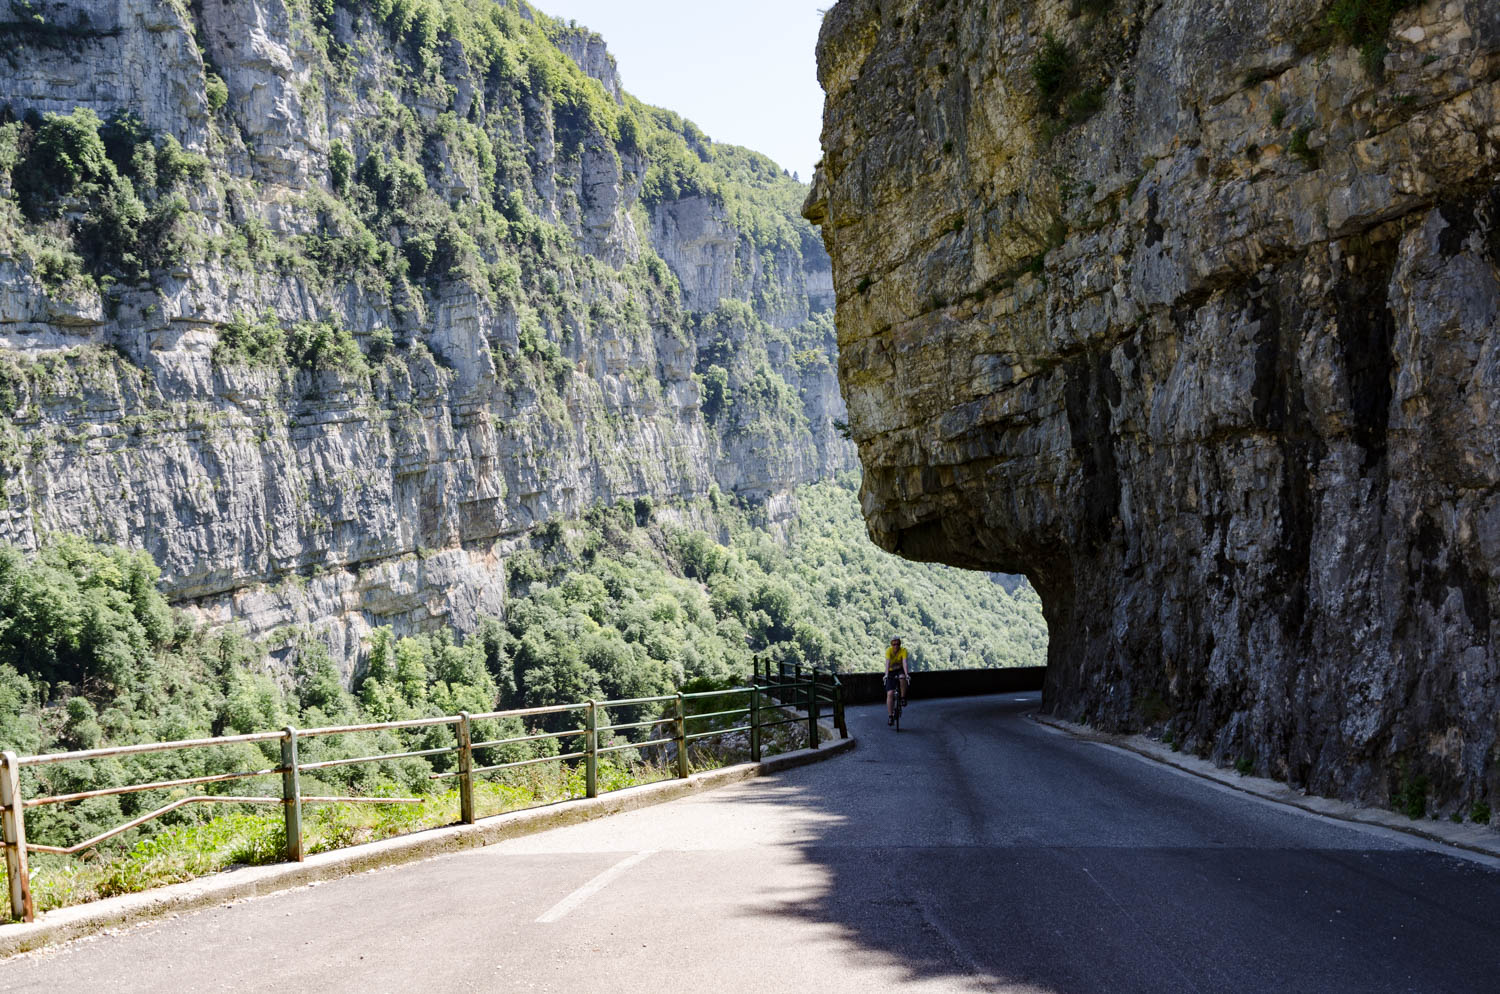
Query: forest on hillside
column 631, row 600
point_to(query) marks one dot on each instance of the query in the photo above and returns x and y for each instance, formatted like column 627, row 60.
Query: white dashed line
column 588, row 890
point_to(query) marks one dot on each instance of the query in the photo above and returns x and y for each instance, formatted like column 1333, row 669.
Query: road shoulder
column 1469, row 838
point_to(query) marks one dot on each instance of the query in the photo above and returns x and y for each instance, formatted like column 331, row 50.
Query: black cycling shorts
column 893, row 681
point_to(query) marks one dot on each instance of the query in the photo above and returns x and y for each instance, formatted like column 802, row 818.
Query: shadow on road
column 978, row 849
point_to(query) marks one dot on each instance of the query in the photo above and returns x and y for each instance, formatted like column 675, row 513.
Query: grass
column 179, row 853
column 185, row 852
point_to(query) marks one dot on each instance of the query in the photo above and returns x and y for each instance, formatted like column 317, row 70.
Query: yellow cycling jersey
column 894, row 658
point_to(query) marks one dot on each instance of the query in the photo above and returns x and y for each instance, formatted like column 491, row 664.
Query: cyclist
column 897, row 676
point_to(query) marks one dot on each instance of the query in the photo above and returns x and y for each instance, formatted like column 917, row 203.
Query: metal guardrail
column 768, row 693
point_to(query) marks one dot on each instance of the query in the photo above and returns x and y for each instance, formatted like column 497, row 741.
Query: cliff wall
column 1190, row 312
column 328, row 305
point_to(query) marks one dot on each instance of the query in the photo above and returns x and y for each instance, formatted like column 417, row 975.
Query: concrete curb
column 65, row 924
column 1469, row 837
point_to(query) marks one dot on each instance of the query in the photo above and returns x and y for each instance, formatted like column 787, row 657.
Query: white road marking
column 588, row 890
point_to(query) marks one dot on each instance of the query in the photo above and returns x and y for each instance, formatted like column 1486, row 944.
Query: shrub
column 111, row 231
column 175, row 164
column 1410, row 796
column 56, row 267
column 319, row 345
column 1085, row 104
column 261, row 343
column 1299, row 147
column 122, row 135
column 65, row 153
column 217, row 92
column 10, row 147
column 340, row 167
column 382, row 344
column 1366, row 24
column 1051, row 71
column 715, row 393
column 644, row 510
column 70, row 148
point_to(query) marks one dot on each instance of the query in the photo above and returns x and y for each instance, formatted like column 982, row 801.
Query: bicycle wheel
column 897, row 713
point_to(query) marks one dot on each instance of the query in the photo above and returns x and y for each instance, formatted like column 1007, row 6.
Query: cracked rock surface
column 1206, row 342
column 392, row 493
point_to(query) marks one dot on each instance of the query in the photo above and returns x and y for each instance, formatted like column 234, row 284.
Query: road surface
column 974, row 851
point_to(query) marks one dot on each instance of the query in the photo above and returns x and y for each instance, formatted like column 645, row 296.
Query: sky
column 744, row 72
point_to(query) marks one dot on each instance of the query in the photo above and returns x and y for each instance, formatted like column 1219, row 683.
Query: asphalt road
column 974, row 850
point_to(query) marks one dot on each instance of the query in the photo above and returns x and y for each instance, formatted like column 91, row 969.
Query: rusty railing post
column 755, row 717
column 682, row 757
column 13, row 823
column 291, row 795
column 465, row 770
column 591, row 750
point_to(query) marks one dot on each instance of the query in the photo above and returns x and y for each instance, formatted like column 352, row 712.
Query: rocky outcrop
column 490, row 337
column 1189, row 311
column 591, row 53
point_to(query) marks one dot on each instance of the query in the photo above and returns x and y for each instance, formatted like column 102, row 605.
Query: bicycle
column 899, row 705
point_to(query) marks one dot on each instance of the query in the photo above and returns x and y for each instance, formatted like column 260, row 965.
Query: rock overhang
column 1189, row 348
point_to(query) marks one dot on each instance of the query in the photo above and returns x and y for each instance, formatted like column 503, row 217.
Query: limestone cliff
column 327, row 304
column 1188, row 311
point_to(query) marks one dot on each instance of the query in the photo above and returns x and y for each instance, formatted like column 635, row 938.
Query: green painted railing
column 766, row 701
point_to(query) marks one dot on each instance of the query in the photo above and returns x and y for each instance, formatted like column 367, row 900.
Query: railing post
column 291, row 795
column 591, row 750
column 13, row 828
column 682, row 757
column 755, row 717
column 796, row 682
column 838, row 706
column 812, row 711
column 465, row 769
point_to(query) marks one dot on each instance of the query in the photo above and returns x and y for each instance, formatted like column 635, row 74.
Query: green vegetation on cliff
column 457, row 224
column 410, row 200
column 629, row 601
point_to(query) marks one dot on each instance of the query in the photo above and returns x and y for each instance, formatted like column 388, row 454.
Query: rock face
column 462, row 213
column 1190, row 311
